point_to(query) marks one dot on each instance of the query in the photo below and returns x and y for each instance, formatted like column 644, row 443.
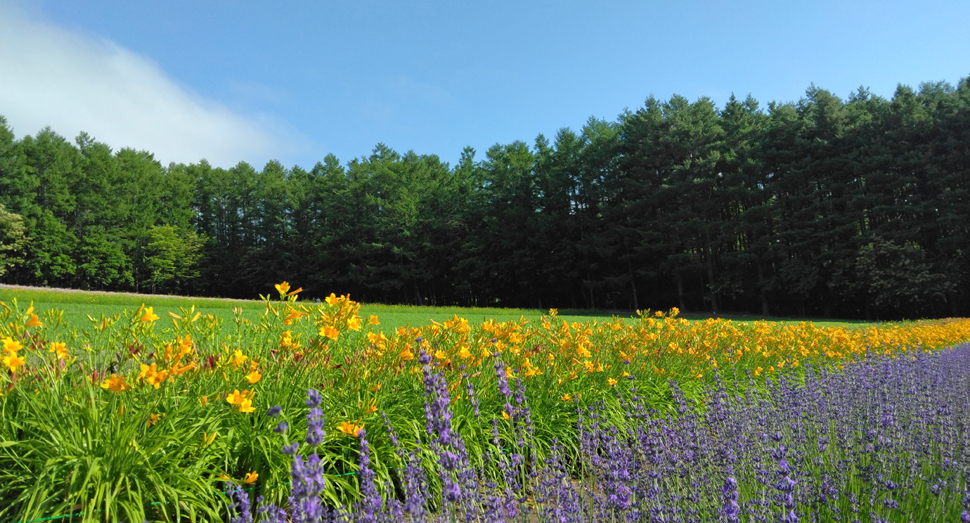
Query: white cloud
column 72, row 82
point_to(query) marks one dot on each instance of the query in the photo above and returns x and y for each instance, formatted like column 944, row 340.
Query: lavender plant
column 883, row 441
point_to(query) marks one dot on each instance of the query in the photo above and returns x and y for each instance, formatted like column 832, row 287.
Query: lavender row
column 883, row 440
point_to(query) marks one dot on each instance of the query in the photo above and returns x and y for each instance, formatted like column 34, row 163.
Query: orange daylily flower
column 239, row 358
column 149, row 315
column 253, row 376
column 329, row 332
column 60, row 349
column 349, row 428
column 115, row 383
column 293, row 315
column 10, row 345
column 250, row 478
column 282, row 288
column 34, row 321
column 353, row 323
column 244, row 400
column 13, row 362
column 235, row 397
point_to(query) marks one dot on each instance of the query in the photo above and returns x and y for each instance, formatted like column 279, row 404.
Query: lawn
column 78, row 305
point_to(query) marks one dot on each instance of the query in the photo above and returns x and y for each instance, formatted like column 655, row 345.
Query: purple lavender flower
column 314, row 399
column 371, row 505
column 315, row 432
column 503, row 383
column 271, row 513
column 459, row 480
column 307, row 483
column 470, row 390
column 416, row 486
column 281, row 427
column 274, row 411
column 730, row 492
column 241, row 503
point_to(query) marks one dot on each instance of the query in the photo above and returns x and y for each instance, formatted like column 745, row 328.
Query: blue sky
column 294, row 81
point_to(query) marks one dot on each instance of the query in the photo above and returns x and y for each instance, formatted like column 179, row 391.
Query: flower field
column 136, row 416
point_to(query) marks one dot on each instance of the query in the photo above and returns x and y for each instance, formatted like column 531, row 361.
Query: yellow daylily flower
column 235, row 398
column 10, row 345
column 353, row 323
column 282, row 288
column 253, row 377
column 115, row 383
column 239, row 358
column 329, row 332
column 349, row 428
column 13, row 362
column 250, row 478
column 292, row 316
column 246, row 407
column 149, row 315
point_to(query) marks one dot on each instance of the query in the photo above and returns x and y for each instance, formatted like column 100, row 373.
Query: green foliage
column 13, row 239
column 163, row 450
column 172, row 257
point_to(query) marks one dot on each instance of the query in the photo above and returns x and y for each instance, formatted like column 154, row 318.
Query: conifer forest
column 854, row 208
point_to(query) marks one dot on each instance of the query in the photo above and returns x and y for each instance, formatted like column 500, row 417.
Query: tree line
column 827, row 207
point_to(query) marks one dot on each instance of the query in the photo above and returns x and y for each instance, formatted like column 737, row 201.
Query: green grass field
column 77, row 305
